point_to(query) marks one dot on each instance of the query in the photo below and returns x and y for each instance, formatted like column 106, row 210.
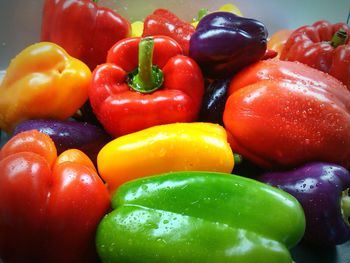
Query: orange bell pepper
column 42, row 81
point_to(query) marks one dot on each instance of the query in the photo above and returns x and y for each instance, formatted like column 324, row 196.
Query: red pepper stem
column 339, row 38
column 345, row 206
column 147, row 77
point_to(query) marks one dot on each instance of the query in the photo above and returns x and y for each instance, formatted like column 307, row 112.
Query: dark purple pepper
column 69, row 135
column 223, row 43
column 323, row 191
column 86, row 114
column 214, row 100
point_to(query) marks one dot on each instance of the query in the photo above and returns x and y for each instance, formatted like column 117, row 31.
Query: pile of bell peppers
column 177, row 107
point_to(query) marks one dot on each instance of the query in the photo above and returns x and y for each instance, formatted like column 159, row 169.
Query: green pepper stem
column 95, row 1
column 147, row 77
column 237, row 158
column 202, row 13
column 345, row 206
column 339, row 38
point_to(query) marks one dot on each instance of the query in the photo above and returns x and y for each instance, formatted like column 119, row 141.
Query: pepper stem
column 147, row 77
column 345, row 206
column 339, row 38
column 202, row 13
column 237, row 158
column 95, row 1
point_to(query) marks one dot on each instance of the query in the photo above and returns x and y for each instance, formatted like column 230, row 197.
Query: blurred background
column 21, row 19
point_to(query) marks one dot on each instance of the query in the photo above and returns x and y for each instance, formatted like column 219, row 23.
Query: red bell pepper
column 49, row 206
column 284, row 114
column 323, row 46
column 164, row 22
column 84, row 29
column 135, row 89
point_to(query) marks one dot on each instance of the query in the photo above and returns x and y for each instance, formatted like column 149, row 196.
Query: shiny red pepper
column 323, row 46
column 49, row 206
column 84, row 29
column 164, row 22
column 145, row 83
column 283, row 114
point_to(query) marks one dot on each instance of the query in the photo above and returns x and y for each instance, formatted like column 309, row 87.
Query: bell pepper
column 200, row 217
column 214, row 100
column 69, row 135
column 283, row 114
column 323, row 191
column 42, row 81
column 277, row 41
column 84, row 29
column 49, row 206
column 226, row 8
column 324, row 46
column 223, row 43
column 165, row 148
column 163, row 22
column 145, row 82
column 137, row 29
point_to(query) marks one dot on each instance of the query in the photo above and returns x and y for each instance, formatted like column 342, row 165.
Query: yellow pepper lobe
column 230, row 8
column 42, row 81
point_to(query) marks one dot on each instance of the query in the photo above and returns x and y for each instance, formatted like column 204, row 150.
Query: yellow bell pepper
column 42, row 81
column 165, row 148
column 137, row 29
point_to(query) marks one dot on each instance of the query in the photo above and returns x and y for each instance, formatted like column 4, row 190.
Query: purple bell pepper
column 214, row 100
column 223, row 43
column 69, row 134
column 323, row 191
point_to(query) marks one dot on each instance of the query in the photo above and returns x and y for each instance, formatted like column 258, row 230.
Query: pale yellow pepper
column 165, row 148
column 137, row 29
column 42, row 81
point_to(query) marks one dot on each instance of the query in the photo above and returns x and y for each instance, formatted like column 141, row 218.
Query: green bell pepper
column 199, row 217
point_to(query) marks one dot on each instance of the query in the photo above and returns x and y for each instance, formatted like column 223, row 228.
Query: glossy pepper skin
column 214, row 100
column 69, row 135
column 277, row 41
column 323, row 191
column 223, row 43
column 199, row 217
column 163, row 22
column 42, row 81
column 84, row 29
column 165, row 148
column 175, row 95
column 316, row 46
column 49, row 206
column 284, row 114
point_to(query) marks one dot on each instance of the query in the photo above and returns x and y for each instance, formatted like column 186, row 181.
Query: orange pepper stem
column 339, row 38
column 147, row 77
